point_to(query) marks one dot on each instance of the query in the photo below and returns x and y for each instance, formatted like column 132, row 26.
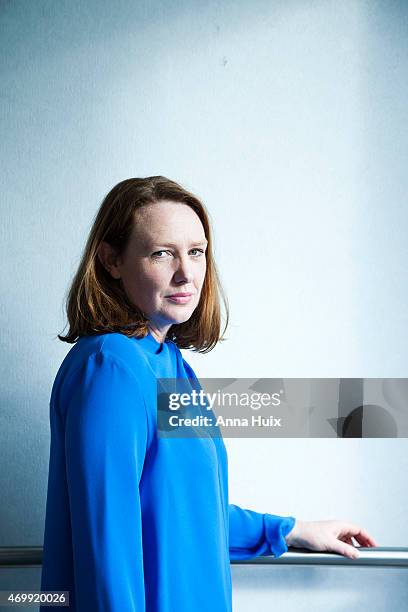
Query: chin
column 180, row 317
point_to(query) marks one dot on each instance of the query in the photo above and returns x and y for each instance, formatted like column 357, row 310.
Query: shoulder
column 100, row 351
column 115, row 343
column 115, row 346
column 103, row 363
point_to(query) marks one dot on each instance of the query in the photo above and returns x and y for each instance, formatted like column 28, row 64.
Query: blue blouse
column 134, row 521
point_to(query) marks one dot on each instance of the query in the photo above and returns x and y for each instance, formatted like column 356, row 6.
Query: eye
column 156, row 255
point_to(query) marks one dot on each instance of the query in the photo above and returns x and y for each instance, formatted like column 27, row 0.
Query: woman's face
column 165, row 256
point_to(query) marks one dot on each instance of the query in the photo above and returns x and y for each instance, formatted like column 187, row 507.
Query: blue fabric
column 135, row 522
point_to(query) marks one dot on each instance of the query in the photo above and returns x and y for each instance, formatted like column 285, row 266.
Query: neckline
column 152, row 345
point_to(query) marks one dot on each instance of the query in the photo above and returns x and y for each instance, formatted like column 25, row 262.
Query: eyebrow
column 171, row 244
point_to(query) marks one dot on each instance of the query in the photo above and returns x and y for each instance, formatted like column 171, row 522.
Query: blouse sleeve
column 106, row 435
column 252, row 534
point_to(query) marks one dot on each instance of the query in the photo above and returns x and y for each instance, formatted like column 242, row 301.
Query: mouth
column 180, row 298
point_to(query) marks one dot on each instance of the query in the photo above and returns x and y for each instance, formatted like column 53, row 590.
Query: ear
column 109, row 259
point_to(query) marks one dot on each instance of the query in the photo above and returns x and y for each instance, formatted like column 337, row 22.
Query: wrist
column 292, row 538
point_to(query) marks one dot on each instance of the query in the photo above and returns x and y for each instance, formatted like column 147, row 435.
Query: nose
column 183, row 273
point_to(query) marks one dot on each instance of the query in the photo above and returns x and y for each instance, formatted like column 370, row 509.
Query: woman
column 135, row 521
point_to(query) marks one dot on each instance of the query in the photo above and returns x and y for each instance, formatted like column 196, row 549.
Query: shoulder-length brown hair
column 97, row 303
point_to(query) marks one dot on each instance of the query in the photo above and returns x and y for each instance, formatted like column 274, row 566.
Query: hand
column 329, row 536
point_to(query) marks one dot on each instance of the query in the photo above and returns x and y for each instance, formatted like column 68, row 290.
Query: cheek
column 201, row 274
column 159, row 278
column 153, row 281
column 139, row 282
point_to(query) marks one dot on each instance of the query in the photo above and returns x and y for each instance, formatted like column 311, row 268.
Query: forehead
column 166, row 222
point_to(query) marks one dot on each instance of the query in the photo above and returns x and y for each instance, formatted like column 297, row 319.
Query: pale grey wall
column 290, row 120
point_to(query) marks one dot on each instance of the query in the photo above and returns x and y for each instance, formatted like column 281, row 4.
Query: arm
column 105, row 439
column 252, row 534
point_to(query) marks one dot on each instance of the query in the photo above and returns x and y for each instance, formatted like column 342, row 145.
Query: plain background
column 289, row 119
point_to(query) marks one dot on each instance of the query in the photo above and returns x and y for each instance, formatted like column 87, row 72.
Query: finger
column 360, row 534
column 365, row 539
column 344, row 549
column 346, row 540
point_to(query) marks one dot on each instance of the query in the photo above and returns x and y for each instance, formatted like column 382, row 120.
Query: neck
column 159, row 333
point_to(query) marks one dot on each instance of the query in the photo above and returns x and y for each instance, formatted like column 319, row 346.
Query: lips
column 180, row 298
